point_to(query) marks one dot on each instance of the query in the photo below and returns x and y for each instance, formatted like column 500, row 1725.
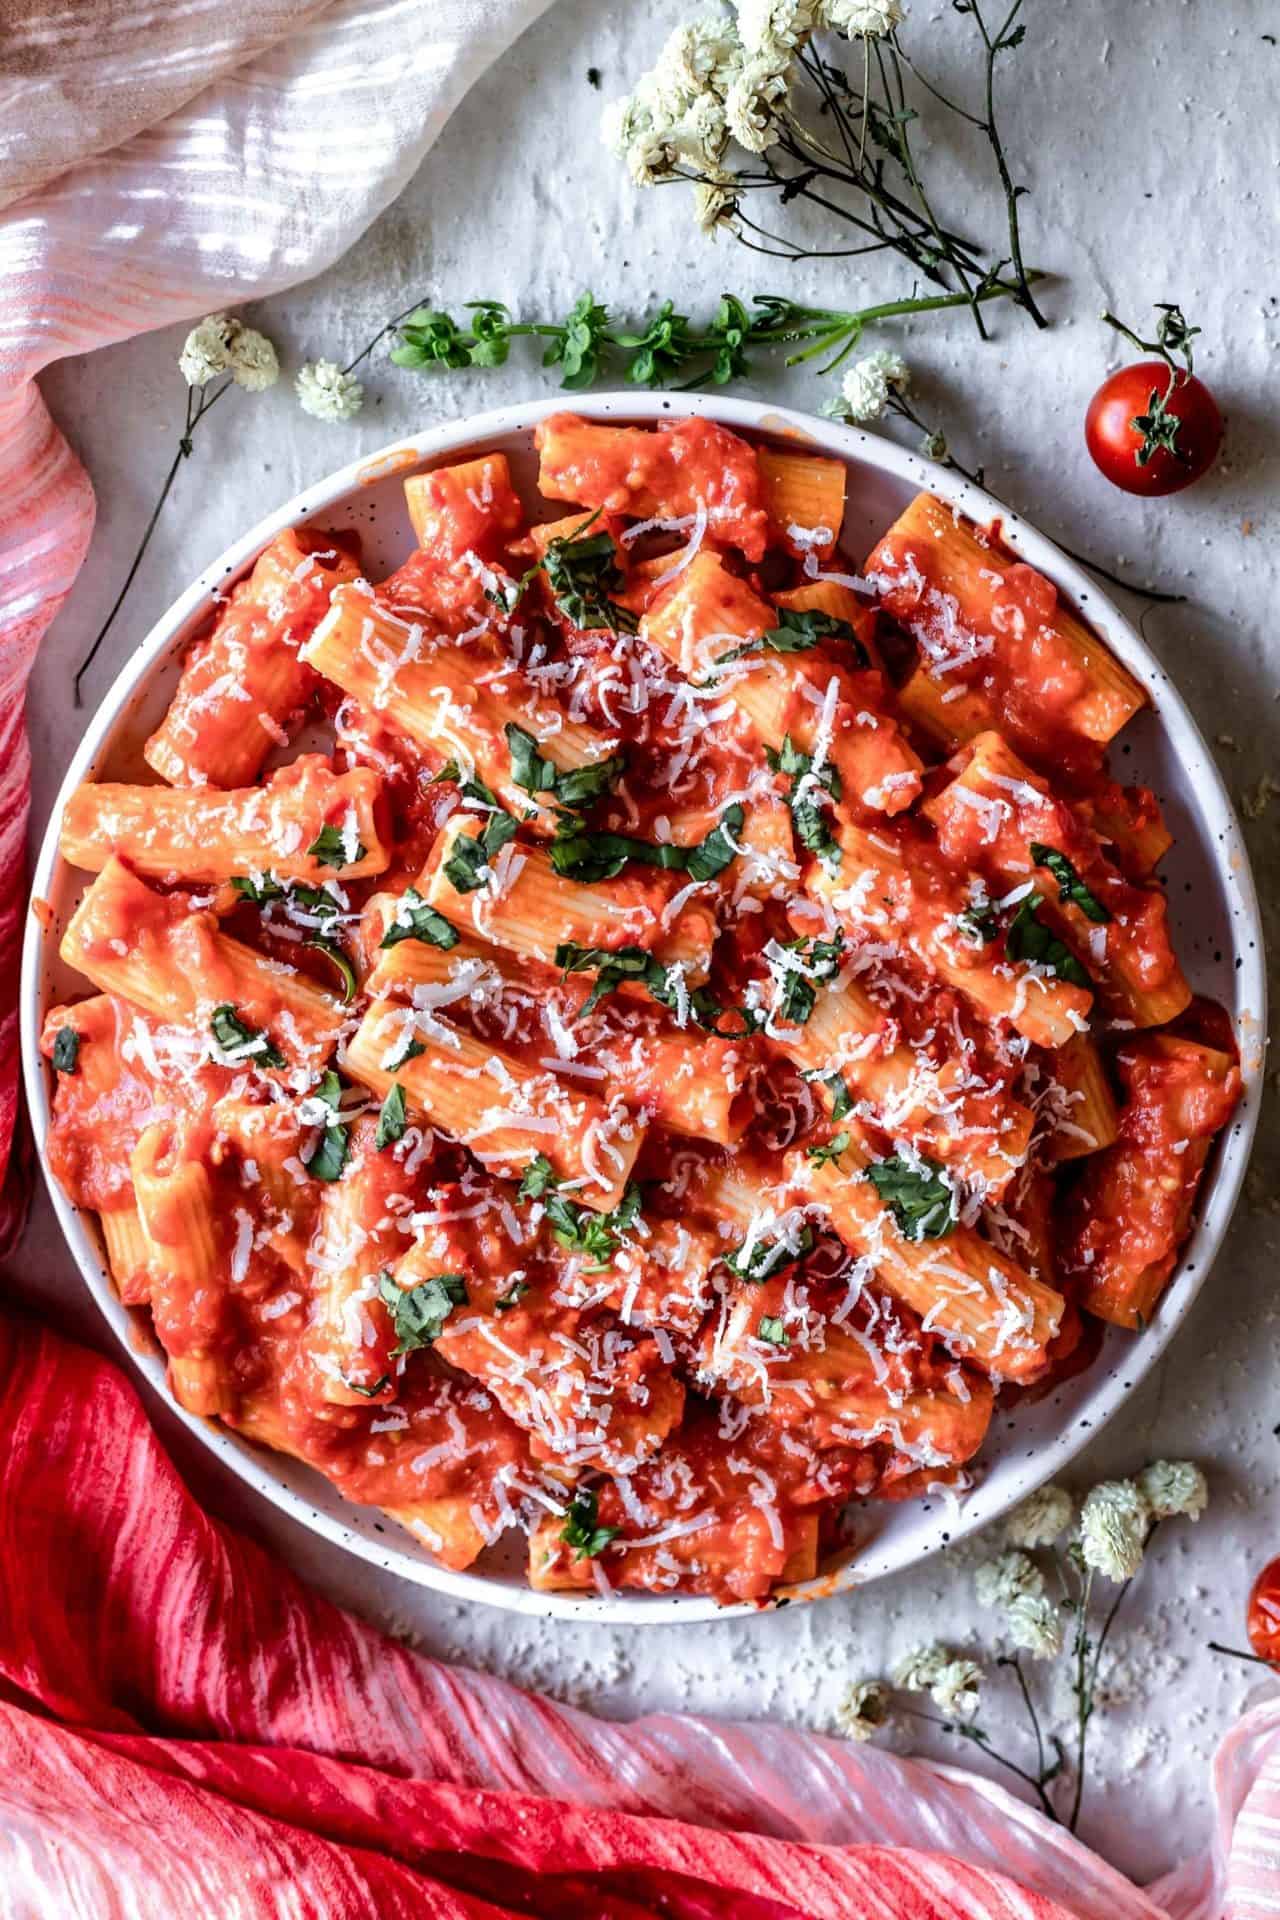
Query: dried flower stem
column 199, row 402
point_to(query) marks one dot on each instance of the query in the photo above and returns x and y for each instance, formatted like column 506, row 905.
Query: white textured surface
column 1148, row 135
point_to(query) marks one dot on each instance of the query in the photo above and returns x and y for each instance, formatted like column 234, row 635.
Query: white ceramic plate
column 1212, row 901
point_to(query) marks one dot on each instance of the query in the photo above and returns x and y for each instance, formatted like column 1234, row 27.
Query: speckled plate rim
column 1103, row 1388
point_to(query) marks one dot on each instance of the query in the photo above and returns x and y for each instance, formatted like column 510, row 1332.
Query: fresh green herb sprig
column 669, row 350
column 582, row 1530
column 579, row 1229
column 418, row 1313
column 330, row 848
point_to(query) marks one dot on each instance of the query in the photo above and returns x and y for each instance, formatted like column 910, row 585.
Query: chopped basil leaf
column 346, row 972
column 596, row 1234
column 916, row 1195
column 584, row 855
column 415, row 920
column 410, row 1052
column 66, row 1050
column 613, row 965
column 837, row 1087
column 539, row 1176
column 768, row 1257
column 581, row 1530
column 574, row 787
column 233, row 1036
column 449, row 771
column 330, row 1155
column 392, row 1119
column 797, row 631
column 465, row 869
column 772, row 1331
column 831, row 1151
column 516, row 1293
column 980, row 923
column 1027, row 938
column 370, row 1393
column 330, row 848
column 809, row 816
column 258, row 891
column 581, row 574
column 800, row 989
column 418, row 1313
column 1072, row 891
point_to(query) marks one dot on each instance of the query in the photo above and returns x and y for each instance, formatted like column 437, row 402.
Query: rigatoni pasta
column 688, row 1038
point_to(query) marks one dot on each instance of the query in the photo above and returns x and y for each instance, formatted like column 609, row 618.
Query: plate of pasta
column 645, row 1009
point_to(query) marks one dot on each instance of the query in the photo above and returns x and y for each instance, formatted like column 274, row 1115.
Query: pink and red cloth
column 183, row 1728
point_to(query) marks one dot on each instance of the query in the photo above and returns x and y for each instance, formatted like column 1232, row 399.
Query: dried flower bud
column 251, row 359
column 1010, row 1577
column 1040, row 1519
column 1114, row 1521
column 326, row 392
column 204, row 351
column 869, row 383
column 864, row 1709
column 1172, row 1488
column 1034, row 1624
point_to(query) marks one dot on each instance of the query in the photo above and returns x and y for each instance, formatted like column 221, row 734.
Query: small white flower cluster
column 721, row 79
column 950, row 1682
column 864, row 1709
column 326, row 392
column 223, row 344
column 869, row 385
column 1115, row 1520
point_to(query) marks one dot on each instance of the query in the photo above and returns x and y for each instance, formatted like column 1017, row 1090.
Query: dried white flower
column 867, row 17
column 951, row 1683
column 204, row 351
column 251, row 359
column 715, row 204
column 1174, row 1487
column 870, row 381
column 697, row 59
column 776, row 26
column 1040, row 1519
column 955, row 1690
column 864, row 1709
column 1010, row 1577
column 917, row 1670
column 1034, row 1624
column 326, row 392
column 756, row 99
column 1113, row 1529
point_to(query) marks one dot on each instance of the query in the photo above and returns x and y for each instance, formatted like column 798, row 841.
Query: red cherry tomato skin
column 1264, row 1612
column 1113, row 441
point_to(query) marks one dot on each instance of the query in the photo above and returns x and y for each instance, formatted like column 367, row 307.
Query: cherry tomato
column 1139, row 412
column 1264, row 1612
